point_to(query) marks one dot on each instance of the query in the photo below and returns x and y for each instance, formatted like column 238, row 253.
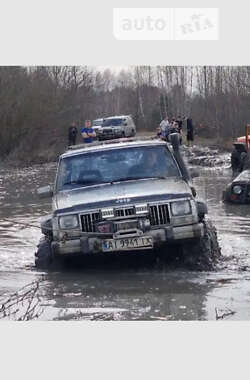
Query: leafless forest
column 37, row 104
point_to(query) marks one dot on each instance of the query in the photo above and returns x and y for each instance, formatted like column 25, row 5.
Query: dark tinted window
column 113, row 122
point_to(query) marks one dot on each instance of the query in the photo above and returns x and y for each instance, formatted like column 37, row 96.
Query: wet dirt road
column 138, row 291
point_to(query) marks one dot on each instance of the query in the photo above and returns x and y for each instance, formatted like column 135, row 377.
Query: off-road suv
column 116, row 126
column 238, row 191
column 124, row 195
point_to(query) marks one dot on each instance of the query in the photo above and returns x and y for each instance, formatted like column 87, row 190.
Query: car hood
column 243, row 177
column 122, row 193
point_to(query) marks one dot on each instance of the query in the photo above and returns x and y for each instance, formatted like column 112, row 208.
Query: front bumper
column 109, row 135
column 93, row 244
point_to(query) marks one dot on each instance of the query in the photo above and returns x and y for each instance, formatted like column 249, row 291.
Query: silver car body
column 137, row 213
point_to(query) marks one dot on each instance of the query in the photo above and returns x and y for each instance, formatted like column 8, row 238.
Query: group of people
column 87, row 133
column 167, row 127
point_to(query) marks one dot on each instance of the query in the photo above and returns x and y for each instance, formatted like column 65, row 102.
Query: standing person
column 164, row 125
column 88, row 133
column 190, row 132
column 72, row 134
column 174, row 126
column 179, row 122
column 238, row 159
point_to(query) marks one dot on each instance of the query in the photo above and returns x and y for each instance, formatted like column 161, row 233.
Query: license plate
column 127, row 244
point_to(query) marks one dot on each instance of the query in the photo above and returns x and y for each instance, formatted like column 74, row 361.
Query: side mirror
column 175, row 140
column 194, row 173
column 45, row 192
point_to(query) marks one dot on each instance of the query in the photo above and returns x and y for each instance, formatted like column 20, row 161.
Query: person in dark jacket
column 190, row 132
column 245, row 161
column 179, row 122
column 72, row 134
column 238, row 159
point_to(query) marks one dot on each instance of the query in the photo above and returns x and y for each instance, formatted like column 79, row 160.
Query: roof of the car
column 112, row 144
column 118, row 116
column 100, row 118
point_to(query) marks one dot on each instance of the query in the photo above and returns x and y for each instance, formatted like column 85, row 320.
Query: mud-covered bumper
column 109, row 135
column 93, row 244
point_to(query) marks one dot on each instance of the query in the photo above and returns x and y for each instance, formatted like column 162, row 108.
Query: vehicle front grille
column 107, row 131
column 122, row 212
column 159, row 215
column 89, row 220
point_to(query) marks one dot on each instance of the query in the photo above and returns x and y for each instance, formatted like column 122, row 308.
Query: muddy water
column 135, row 291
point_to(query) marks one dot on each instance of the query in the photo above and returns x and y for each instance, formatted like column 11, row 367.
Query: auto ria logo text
column 166, row 23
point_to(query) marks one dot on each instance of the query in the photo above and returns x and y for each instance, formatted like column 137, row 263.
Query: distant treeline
column 37, row 104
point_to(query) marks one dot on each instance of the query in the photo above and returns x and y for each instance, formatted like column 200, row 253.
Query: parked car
column 116, row 127
column 124, row 195
column 238, row 191
column 97, row 125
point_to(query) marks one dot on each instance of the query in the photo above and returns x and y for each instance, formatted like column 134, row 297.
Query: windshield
column 97, row 123
column 113, row 122
column 116, row 165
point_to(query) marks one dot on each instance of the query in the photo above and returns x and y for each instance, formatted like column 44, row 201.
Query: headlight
column 237, row 189
column 181, row 208
column 68, row 221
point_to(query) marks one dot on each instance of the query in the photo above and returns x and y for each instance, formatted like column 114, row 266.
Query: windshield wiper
column 136, row 178
column 124, row 179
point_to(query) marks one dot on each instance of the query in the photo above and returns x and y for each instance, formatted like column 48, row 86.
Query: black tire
column 44, row 255
column 133, row 133
column 46, row 228
column 203, row 253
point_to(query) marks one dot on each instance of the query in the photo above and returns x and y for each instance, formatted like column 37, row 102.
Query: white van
column 116, row 127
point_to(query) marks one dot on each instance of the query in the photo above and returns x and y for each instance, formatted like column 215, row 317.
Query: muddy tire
column 44, row 255
column 202, row 254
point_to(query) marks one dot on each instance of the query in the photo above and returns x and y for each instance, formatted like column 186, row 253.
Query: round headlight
column 181, row 208
column 68, row 221
column 237, row 189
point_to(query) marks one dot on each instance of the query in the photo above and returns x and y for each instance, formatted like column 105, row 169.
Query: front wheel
column 203, row 253
column 44, row 256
